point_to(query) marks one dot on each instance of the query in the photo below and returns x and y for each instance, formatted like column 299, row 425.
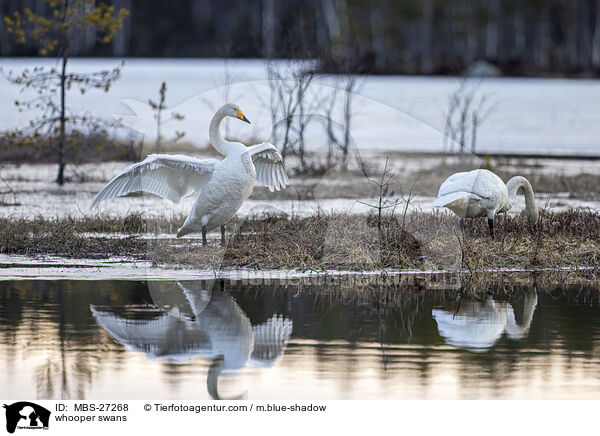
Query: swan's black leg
column 491, row 226
column 203, row 235
column 461, row 225
column 223, row 235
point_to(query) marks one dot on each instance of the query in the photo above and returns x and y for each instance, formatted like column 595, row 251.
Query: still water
column 218, row 339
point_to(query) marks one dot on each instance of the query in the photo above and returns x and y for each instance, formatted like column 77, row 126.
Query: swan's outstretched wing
column 270, row 339
column 169, row 176
column 164, row 337
column 268, row 162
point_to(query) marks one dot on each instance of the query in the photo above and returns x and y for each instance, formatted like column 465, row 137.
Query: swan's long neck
column 513, row 186
column 212, row 381
column 214, row 133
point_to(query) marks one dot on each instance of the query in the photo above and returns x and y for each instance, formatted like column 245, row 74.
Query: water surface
column 219, row 339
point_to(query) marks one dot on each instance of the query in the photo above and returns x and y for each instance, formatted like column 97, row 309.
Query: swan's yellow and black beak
column 241, row 116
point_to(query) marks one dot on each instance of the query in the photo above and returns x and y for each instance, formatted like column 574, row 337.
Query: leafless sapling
column 55, row 32
column 467, row 109
column 159, row 109
column 385, row 196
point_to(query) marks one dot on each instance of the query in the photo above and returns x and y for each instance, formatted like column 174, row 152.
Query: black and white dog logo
column 26, row 415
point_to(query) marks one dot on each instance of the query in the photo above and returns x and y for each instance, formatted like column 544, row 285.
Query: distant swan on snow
column 222, row 185
column 481, row 193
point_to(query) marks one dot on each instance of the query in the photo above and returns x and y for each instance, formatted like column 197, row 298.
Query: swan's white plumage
column 473, row 194
column 221, row 185
column 169, row 176
column 270, row 339
column 268, row 162
column 480, row 193
column 478, row 325
column 219, row 330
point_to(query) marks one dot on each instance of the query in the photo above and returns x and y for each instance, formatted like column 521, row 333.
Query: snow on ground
column 38, row 195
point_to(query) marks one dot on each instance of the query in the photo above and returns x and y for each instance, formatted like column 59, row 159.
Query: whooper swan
column 221, row 185
column 205, row 323
column 481, row 193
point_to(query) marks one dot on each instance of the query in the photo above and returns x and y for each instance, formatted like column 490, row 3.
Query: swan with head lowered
column 480, row 193
column 221, row 185
column 478, row 325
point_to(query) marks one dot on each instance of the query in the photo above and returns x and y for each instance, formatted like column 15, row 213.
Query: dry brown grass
column 61, row 238
column 319, row 242
column 423, row 241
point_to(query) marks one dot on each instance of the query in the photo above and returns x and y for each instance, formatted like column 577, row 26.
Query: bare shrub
column 466, row 111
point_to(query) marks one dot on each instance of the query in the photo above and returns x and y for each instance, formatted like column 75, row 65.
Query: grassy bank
column 429, row 241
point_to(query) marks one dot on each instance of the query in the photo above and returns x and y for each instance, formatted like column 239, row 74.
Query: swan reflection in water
column 196, row 321
column 478, row 325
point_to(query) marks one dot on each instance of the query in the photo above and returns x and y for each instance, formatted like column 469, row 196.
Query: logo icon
column 26, row 415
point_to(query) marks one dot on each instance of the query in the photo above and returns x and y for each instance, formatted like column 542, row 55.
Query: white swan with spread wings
column 221, row 185
column 195, row 321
